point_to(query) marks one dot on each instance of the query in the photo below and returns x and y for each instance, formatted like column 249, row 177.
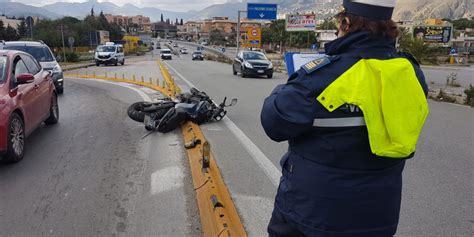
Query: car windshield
column 106, row 49
column 165, row 51
column 197, row 53
column 254, row 56
column 41, row 53
column 3, row 67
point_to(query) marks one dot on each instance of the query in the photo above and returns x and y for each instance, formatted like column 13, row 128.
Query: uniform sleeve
column 421, row 78
column 289, row 111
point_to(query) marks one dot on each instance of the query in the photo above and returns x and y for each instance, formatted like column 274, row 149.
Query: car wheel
column 97, row 64
column 123, row 62
column 16, row 139
column 234, row 71
column 270, row 76
column 242, row 73
column 53, row 111
column 116, row 62
column 60, row 90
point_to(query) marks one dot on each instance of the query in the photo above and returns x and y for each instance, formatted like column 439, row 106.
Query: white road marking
column 272, row 172
column 144, row 96
column 167, row 179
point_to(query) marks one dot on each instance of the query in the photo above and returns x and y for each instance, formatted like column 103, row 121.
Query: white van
column 110, row 53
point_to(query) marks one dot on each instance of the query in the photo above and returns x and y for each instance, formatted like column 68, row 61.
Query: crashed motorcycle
column 166, row 114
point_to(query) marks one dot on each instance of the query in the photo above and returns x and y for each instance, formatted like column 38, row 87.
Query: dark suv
column 41, row 52
column 251, row 63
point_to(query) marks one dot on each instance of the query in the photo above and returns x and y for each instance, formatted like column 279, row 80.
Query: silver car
column 41, row 52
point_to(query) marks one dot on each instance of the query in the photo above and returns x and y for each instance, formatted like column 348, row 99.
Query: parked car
column 110, row 53
column 28, row 98
column 198, row 56
column 42, row 53
column 250, row 63
column 166, row 54
column 183, row 51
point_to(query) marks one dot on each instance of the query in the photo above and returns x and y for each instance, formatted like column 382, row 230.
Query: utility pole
column 64, row 47
column 238, row 30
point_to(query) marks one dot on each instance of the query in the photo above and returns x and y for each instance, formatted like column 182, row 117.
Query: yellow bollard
column 451, row 60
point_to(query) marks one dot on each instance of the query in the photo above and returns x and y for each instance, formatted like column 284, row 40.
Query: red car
column 27, row 99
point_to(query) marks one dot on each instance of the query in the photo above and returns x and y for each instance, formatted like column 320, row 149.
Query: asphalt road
column 93, row 175
column 438, row 188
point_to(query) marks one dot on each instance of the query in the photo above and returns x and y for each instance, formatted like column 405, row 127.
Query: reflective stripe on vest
column 339, row 122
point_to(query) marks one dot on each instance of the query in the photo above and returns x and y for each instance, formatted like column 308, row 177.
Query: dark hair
column 380, row 28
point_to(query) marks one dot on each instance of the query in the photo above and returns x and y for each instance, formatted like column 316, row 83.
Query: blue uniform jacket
column 332, row 185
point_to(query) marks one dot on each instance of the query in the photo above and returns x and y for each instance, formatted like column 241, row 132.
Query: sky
column 172, row 5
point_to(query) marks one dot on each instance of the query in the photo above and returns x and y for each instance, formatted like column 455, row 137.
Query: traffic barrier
column 218, row 214
column 123, row 79
column 167, row 78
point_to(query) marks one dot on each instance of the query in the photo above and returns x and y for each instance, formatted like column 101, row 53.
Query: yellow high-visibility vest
column 390, row 96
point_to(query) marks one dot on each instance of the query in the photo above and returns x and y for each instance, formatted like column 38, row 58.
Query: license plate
column 260, row 71
column 148, row 121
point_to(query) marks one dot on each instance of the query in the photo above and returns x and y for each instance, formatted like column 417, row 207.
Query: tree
column 2, row 31
column 162, row 17
column 22, row 29
column 92, row 11
column 216, row 37
column 181, row 23
column 417, row 47
column 276, row 33
column 327, row 25
column 11, row 34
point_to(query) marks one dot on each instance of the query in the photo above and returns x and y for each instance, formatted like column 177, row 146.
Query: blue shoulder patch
column 316, row 64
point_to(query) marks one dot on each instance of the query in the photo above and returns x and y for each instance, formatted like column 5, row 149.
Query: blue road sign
column 257, row 11
column 254, row 42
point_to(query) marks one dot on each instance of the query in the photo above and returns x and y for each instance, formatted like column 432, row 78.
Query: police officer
column 352, row 119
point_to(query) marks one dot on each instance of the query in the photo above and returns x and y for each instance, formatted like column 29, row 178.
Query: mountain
column 21, row 10
column 81, row 9
column 405, row 9
column 418, row 10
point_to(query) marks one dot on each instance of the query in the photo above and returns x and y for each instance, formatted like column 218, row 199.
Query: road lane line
column 144, row 96
column 272, row 172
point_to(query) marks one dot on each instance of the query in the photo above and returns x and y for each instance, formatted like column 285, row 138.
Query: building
column 164, row 29
column 142, row 23
column 10, row 22
column 464, row 43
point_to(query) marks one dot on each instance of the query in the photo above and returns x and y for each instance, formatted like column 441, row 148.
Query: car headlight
column 247, row 64
column 270, row 66
column 57, row 69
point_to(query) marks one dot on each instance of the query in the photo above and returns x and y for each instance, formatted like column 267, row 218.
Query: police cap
column 374, row 9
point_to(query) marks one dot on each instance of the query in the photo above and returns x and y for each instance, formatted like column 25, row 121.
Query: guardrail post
column 143, row 80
